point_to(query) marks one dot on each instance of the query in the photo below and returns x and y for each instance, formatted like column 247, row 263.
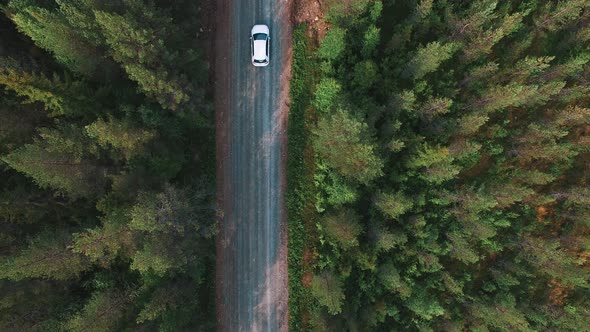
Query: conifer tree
column 428, row 58
column 343, row 228
column 555, row 16
column 333, row 44
column 327, row 289
column 104, row 244
column 393, row 205
column 70, row 98
column 104, row 311
column 343, row 142
column 48, row 256
column 435, row 164
column 32, row 305
column 121, row 135
column 137, row 41
column 52, row 31
column 58, row 161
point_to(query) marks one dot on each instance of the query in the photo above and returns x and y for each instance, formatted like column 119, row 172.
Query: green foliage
column 59, row 97
column 162, row 301
column 343, row 142
column 120, row 135
column 332, row 45
column 393, row 205
column 47, row 256
column 104, row 224
column 343, row 228
column 325, row 94
column 557, row 15
column 52, row 31
column 371, row 40
column 151, row 260
column 300, row 191
column 327, row 288
column 476, row 114
column 390, row 279
column 365, row 75
column 428, row 58
column 435, row 163
column 142, row 53
column 424, row 306
column 57, row 161
column 103, row 312
column 105, row 243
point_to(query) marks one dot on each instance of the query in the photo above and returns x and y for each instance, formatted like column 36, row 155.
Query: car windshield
column 259, row 36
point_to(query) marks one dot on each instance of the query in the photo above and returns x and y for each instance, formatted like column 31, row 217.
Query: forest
column 438, row 167
column 438, row 171
column 107, row 208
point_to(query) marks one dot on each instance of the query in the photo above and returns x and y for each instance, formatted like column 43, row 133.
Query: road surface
column 251, row 114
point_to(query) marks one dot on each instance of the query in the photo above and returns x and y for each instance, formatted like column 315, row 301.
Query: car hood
column 260, row 29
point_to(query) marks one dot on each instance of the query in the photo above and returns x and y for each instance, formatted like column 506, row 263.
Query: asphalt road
column 251, row 106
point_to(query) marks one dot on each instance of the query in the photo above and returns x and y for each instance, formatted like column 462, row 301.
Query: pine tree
column 344, row 143
column 572, row 116
column 104, row 244
column 103, row 312
column 168, row 222
column 423, row 9
column 343, row 228
column 479, row 14
column 543, row 143
column 371, row 40
column 434, row 107
column 428, row 58
column 327, row 289
column 162, row 300
column 365, row 75
column 332, row 45
column 393, row 205
column 52, row 31
column 478, row 76
column 169, row 210
column 137, row 42
column 159, row 255
column 497, row 98
column 80, row 16
column 529, row 68
column 470, row 123
column 461, row 250
column 71, row 98
column 58, row 162
column 48, row 256
column 32, row 305
column 482, row 43
column 500, row 313
column 424, row 305
column 555, row 16
column 121, row 135
column 326, row 94
column 390, row 278
column 551, row 260
column 435, row 164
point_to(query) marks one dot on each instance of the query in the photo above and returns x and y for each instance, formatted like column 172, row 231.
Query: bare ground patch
column 311, row 12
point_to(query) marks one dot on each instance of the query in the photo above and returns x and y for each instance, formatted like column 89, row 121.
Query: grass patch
column 300, row 194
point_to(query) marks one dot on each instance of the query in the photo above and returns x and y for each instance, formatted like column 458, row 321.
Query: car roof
column 260, row 49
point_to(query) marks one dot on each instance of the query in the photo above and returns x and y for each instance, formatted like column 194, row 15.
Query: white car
column 259, row 44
